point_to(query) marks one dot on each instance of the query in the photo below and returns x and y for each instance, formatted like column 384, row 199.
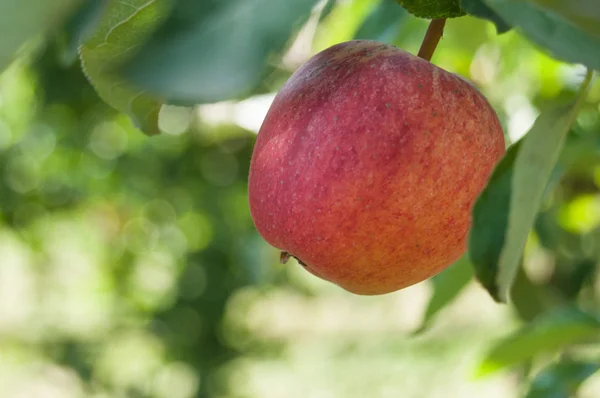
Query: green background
column 130, row 267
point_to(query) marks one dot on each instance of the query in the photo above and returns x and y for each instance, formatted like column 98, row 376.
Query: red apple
column 368, row 164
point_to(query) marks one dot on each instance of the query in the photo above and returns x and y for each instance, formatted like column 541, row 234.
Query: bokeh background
column 130, row 267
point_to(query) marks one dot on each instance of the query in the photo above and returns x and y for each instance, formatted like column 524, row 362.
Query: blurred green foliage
column 561, row 380
column 125, row 25
column 129, row 265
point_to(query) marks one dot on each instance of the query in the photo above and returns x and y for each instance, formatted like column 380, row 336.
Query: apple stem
column 284, row 257
column 432, row 38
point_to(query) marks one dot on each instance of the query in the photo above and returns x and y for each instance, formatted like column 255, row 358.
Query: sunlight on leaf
column 213, row 51
column 125, row 25
column 561, row 37
column 505, row 211
column 533, row 167
column 547, row 333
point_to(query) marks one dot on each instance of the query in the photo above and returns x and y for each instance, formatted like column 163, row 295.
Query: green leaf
column 21, row 20
column 505, row 211
column 533, row 166
column 529, row 300
column 490, row 221
column 215, row 50
column 446, row 287
column 479, row 9
column 561, row 37
column 383, row 23
column 585, row 14
column 433, row 9
column 561, row 380
column 546, row 334
column 125, row 25
column 79, row 27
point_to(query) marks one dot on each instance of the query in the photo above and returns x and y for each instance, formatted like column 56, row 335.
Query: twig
column 432, row 38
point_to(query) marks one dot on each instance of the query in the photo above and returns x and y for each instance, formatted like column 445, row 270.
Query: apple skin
column 368, row 164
